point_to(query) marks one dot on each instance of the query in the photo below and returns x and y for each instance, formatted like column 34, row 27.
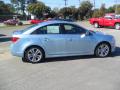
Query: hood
column 97, row 32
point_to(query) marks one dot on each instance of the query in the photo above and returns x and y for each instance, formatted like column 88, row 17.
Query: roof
column 54, row 22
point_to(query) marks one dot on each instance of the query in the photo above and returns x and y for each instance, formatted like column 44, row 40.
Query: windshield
column 117, row 17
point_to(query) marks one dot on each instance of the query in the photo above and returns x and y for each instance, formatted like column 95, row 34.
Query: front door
column 108, row 21
column 76, row 40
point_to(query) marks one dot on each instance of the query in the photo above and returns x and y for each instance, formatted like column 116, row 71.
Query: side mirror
column 88, row 33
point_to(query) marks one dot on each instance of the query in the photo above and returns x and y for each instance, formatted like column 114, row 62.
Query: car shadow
column 107, row 28
column 116, row 53
column 69, row 58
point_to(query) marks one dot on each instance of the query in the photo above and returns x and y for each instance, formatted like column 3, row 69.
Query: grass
column 13, row 27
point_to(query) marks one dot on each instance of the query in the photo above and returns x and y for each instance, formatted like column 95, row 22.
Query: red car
column 36, row 21
column 107, row 21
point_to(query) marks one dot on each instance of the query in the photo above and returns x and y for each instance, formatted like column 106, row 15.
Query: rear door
column 52, row 39
column 108, row 21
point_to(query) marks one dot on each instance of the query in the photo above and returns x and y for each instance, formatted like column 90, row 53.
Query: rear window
column 49, row 29
column 26, row 29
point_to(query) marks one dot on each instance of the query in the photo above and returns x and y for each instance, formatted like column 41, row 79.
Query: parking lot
column 67, row 73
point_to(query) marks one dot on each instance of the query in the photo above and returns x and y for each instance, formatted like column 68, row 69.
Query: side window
column 69, row 29
column 108, row 17
column 53, row 29
column 50, row 29
column 72, row 29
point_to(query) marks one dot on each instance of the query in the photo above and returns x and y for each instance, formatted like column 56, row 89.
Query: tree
column 118, row 9
column 31, row 1
column 11, row 8
column 85, row 9
column 56, row 10
column 69, row 12
column 96, row 13
column 110, row 9
column 37, row 9
column 19, row 4
column 74, row 12
column 102, row 10
column 66, row 11
column 6, row 8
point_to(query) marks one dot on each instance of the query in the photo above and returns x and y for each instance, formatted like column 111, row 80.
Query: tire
column 117, row 26
column 24, row 60
column 103, row 50
column 34, row 55
column 96, row 25
column 20, row 23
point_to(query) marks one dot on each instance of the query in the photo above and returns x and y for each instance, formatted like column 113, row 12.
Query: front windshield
column 117, row 17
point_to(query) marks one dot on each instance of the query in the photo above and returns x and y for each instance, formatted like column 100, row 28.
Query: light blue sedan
column 58, row 39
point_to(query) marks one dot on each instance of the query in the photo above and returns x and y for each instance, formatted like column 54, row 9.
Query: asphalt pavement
column 67, row 73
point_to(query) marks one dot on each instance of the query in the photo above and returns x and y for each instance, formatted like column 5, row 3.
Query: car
column 36, row 21
column 117, row 16
column 58, row 39
column 12, row 22
column 106, row 21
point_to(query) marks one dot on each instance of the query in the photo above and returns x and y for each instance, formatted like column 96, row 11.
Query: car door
column 53, row 41
column 108, row 21
column 76, row 40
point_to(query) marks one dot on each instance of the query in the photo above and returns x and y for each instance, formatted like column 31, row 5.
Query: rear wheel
column 117, row 26
column 103, row 50
column 96, row 25
column 34, row 55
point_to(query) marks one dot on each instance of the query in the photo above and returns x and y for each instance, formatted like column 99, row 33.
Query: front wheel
column 96, row 25
column 117, row 26
column 34, row 55
column 103, row 50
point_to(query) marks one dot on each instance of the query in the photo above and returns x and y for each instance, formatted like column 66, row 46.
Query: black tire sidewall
column 97, row 25
column 116, row 25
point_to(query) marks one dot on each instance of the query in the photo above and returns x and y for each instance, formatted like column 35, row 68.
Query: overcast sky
column 60, row 3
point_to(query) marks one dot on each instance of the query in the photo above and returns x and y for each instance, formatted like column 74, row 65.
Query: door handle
column 46, row 39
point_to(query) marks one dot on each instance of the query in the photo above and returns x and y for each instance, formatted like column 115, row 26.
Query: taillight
column 15, row 39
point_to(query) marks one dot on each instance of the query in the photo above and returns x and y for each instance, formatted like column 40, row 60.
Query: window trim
column 73, row 26
column 60, row 31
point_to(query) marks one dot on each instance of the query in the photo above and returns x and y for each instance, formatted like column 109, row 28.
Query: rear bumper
column 15, row 51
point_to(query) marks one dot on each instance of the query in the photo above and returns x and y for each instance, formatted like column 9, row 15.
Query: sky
column 61, row 3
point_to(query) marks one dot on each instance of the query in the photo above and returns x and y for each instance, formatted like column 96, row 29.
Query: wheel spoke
column 103, row 50
column 34, row 55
